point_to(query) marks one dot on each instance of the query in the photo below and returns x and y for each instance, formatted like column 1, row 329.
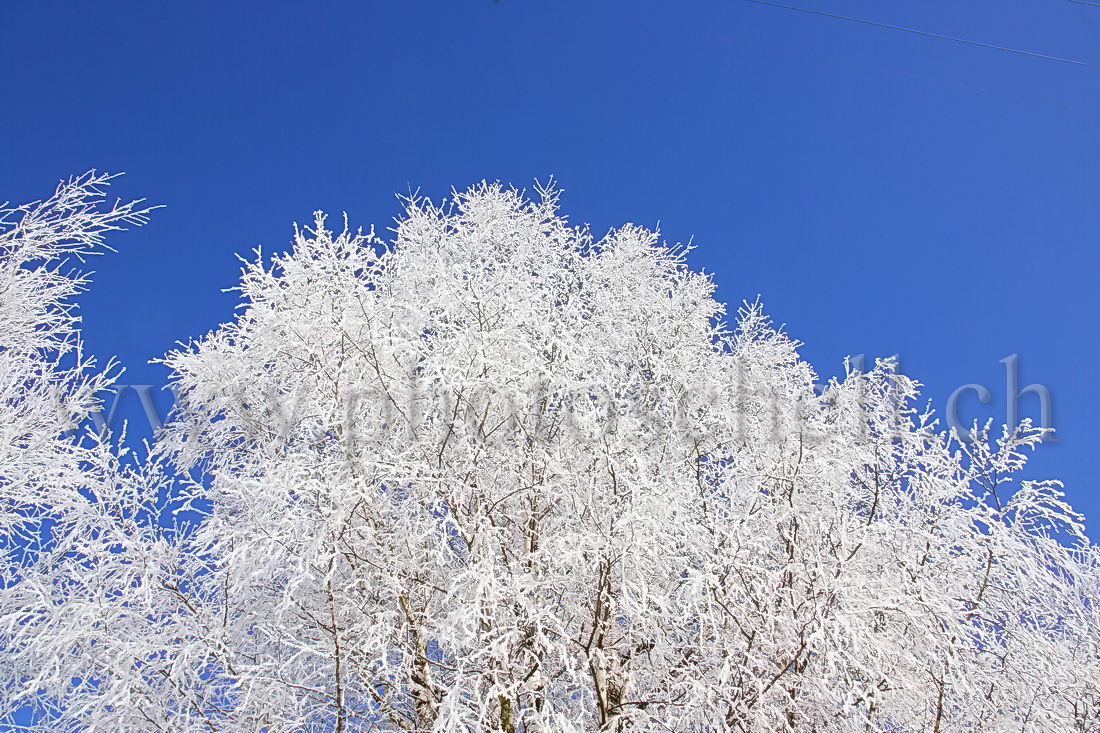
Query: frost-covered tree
column 499, row 475
column 66, row 507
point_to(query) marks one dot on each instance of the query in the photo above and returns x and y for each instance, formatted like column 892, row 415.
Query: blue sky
column 884, row 192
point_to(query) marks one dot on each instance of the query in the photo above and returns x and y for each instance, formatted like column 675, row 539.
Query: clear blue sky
column 885, row 192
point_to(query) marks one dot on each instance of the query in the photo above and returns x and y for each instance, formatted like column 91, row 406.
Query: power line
column 925, row 33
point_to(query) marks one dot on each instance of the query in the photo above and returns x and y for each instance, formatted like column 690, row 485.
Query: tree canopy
column 499, row 474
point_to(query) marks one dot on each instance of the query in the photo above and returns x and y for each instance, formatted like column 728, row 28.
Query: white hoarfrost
column 499, row 476
column 69, row 512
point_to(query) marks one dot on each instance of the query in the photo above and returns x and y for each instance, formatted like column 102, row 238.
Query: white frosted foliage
column 499, row 475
